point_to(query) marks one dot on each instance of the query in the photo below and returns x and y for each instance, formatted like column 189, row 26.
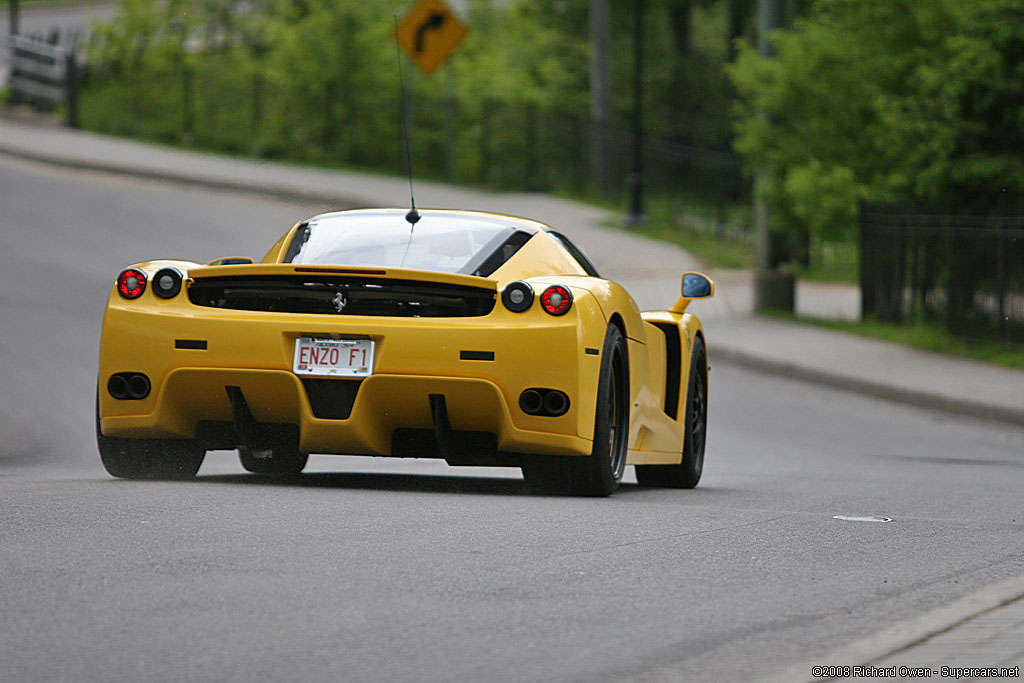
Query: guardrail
column 46, row 74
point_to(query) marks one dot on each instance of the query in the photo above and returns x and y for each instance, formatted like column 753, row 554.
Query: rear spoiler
column 270, row 269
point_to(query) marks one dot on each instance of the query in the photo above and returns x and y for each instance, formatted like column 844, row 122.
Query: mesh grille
column 342, row 296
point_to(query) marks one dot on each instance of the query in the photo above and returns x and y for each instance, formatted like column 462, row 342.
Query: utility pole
column 450, row 122
column 600, row 93
column 636, row 178
column 768, row 20
column 774, row 288
column 12, row 23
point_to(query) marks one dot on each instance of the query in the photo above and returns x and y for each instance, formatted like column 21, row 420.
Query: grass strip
column 928, row 336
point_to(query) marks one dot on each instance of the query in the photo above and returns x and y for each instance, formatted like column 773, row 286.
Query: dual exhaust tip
column 545, row 402
column 128, row 386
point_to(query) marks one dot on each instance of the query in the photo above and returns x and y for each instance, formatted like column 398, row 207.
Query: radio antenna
column 413, row 216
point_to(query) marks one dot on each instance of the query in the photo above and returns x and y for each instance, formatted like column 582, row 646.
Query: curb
column 906, row 634
column 727, row 354
column 985, row 411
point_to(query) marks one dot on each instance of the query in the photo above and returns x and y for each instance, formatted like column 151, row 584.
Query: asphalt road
column 373, row 570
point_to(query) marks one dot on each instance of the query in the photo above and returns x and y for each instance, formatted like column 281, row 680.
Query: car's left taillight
column 131, row 283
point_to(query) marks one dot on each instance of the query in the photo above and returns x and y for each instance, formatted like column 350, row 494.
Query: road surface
column 372, row 569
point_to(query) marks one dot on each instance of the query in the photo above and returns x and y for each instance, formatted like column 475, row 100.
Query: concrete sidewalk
column 983, row 631
column 986, row 628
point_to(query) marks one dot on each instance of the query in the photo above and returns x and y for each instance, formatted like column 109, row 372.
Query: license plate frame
column 333, row 357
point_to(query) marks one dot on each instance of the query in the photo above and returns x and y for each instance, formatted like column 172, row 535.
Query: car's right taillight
column 131, row 283
column 556, row 300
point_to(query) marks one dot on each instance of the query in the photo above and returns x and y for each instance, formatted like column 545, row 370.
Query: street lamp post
column 636, row 178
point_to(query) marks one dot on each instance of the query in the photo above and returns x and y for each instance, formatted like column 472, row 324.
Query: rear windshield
column 444, row 242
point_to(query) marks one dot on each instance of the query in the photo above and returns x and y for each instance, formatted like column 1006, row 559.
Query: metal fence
column 964, row 270
column 497, row 144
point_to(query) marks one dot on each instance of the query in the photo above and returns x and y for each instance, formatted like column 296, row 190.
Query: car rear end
column 376, row 361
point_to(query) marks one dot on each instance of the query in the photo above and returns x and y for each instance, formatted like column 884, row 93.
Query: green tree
column 316, row 80
column 333, row 66
column 885, row 100
column 525, row 53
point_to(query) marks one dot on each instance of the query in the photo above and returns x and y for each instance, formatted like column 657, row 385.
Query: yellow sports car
column 478, row 338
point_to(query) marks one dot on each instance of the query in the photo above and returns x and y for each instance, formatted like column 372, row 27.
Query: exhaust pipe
column 556, row 403
column 545, row 402
column 117, row 386
column 530, row 401
column 138, row 386
column 128, row 386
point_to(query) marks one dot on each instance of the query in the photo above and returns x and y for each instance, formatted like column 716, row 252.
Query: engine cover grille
column 332, row 295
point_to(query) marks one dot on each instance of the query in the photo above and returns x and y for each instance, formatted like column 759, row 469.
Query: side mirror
column 693, row 286
column 231, row 261
column 697, row 286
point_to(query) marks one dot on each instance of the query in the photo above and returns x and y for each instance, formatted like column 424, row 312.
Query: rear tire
column 687, row 473
column 173, row 459
column 280, row 460
column 599, row 473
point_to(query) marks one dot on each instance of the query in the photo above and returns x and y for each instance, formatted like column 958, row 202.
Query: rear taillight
column 131, row 283
column 556, row 300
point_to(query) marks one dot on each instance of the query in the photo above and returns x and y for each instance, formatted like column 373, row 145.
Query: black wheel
column 599, row 473
column 687, row 473
column 281, row 459
column 148, row 458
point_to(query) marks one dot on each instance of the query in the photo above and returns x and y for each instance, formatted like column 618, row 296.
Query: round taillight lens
column 556, row 300
column 517, row 297
column 167, row 283
column 131, row 283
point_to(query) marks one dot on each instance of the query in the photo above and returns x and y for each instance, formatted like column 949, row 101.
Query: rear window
column 443, row 242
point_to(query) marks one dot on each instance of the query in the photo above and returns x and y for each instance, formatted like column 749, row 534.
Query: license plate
column 333, row 357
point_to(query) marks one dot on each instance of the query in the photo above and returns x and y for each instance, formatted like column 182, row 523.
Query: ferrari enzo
column 478, row 338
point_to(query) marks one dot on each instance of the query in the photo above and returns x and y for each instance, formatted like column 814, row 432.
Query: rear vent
column 333, row 295
column 331, row 399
